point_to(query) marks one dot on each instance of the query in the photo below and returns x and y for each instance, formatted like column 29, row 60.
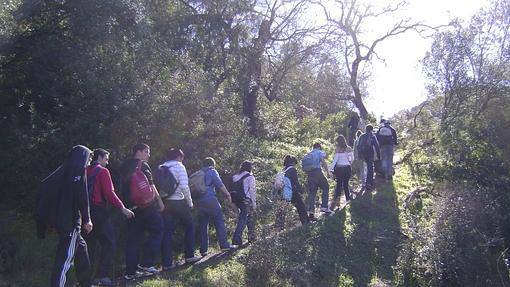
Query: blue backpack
column 308, row 162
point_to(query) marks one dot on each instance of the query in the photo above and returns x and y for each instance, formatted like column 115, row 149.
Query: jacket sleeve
column 394, row 136
column 377, row 148
column 333, row 164
column 184, row 184
column 105, row 181
column 83, row 198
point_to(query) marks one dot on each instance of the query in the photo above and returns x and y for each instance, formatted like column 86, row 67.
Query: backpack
column 197, row 184
column 308, row 162
column 142, row 194
column 165, row 181
column 279, row 181
column 91, row 180
column 287, row 189
column 46, row 202
column 364, row 145
column 237, row 193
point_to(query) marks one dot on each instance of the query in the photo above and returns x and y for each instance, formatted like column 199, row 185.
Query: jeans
column 370, row 172
column 148, row 221
column 316, row 179
column 246, row 219
column 209, row 208
column 177, row 211
column 71, row 247
column 342, row 175
column 103, row 234
column 387, row 160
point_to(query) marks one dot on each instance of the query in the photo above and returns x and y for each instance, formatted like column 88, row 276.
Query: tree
column 349, row 28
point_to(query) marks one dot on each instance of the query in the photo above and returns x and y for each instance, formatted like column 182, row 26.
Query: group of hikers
column 75, row 200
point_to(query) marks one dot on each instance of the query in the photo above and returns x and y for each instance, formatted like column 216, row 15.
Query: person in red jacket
column 101, row 195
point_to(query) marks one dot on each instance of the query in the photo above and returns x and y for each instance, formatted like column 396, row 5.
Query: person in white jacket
column 246, row 181
column 341, row 169
column 178, row 209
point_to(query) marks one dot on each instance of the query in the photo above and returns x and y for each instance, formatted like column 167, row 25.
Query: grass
column 358, row 246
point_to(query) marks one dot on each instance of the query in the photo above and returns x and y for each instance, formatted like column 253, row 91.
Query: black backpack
column 237, row 193
column 91, row 180
column 165, row 181
column 364, row 145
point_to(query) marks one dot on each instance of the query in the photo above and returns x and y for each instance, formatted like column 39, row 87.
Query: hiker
column 352, row 126
column 387, row 137
column 359, row 164
column 368, row 150
column 209, row 208
column 178, row 209
column 141, row 196
column 101, row 194
column 244, row 181
column 289, row 167
column 312, row 163
column 62, row 203
column 341, row 169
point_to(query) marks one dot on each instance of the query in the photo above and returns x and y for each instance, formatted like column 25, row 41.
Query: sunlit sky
column 398, row 82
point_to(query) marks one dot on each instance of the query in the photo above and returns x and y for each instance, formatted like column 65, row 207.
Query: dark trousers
column 369, row 182
column 71, row 246
column 246, row 218
column 316, row 180
column 297, row 201
column 148, row 221
column 103, row 234
column 342, row 175
column 177, row 211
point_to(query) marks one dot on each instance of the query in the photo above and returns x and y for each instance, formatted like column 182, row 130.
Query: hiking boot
column 326, row 210
column 151, row 269
column 169, row 267
column 192, row 259
column 138, row 274
column 204, row 254
column 105, row 281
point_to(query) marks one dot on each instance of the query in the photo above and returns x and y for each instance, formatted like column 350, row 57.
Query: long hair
column 341, row 143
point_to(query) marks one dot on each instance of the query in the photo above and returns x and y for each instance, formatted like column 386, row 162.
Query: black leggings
column 342, row 174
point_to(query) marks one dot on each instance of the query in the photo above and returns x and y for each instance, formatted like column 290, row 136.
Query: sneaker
column 105, row 281
column 326, row 210
column 169, row 267
column 192, row 259
column 137, row 275
column 152, row 269
column 231, row 247
column 204, row 254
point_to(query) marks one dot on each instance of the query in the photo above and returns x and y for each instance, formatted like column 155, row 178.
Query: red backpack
column 142, row 193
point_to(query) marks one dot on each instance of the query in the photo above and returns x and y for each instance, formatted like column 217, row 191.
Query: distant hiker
column 62, row 203
column 368, row 150
column 341, row 168
column 244, row 183
column 387, row 138
column 178, row 207
column 290, row 172
column 352, row 127
column 312, row 163
column 101, row 194
column 359, row 165
column 141, row 196
column 209, row 208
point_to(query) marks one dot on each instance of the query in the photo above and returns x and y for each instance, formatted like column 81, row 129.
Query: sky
column 398, row 82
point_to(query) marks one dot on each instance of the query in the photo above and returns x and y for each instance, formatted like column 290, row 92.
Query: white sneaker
column 152, row 269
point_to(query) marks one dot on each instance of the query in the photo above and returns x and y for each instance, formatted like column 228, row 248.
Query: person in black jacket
column 289, row 163
column 62, row 203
